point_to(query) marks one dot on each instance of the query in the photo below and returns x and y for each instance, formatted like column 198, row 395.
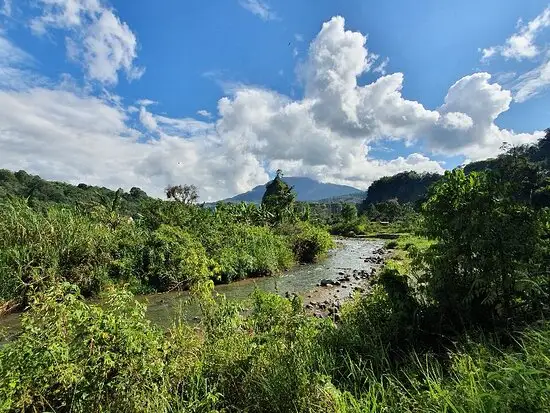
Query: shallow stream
column 303, row 280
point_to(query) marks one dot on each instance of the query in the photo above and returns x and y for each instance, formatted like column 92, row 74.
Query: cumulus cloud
column 521, row 44
column 61, row 135
column 96, row 38
column 467, row 122
column 327, row 134
column 259, row 8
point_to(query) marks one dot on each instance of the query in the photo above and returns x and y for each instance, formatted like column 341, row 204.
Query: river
column 349, row 255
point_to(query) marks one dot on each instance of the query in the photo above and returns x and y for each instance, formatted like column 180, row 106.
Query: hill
column 24, row 185
column 405, row 187
column 307, row 189
column 353, row 198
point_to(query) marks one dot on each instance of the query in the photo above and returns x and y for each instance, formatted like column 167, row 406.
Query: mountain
column 353, row 198
column 307, row 189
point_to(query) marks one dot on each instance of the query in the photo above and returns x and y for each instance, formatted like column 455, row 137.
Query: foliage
column 41, row 192
column 390, row 211
column 349, row 212
column 253, row 251
column 188, row 194
column 173, row 259
column 490, row 262
column 279, row 199
column 308, row 242
column 72, row 356
column 40, row 249
column 171, row 244
column 404, row 187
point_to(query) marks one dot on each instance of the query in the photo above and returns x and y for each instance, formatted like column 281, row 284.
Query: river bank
column 347, row 268
column 352, row 261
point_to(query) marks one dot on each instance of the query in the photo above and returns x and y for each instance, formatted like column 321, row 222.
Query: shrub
column 73, row 356
column 173, row 259
column 251, row 251
column 309, row 242
column 391, row 245
column 38, row 249
column 489, row 265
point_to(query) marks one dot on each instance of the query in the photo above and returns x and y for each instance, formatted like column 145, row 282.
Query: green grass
column 168, row 248
column 77, row 356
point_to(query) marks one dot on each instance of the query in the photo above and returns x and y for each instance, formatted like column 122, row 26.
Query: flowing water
column 349, row 255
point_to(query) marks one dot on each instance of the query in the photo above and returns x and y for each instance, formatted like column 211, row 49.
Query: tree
column 349, row 212
column 490, row 264
column 187, row 194
column 279, row 198
column 137, row 193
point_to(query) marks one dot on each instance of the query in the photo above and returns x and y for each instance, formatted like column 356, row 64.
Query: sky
column 222, row 93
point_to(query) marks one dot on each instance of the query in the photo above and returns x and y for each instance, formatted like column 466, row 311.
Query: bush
column 73, row 356
column 391, row 245
column 37, row 250
column 251, row 251
column 309, row 242
column 490, row 264
column 173, row 259
column 267, row 361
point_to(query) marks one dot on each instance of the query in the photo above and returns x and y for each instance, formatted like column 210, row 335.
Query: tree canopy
column 38, row 190
column 279, row 198
column 405, row 187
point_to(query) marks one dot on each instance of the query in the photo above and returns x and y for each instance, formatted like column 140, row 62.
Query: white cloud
column 11, row 55
column 299, row 37
column 505, row 78
column 97, row 38
column 467, row 125
column 146, row 102
column 6, row 8
column 521, row 44
column 381, row 68
column 184, row 127
column 147, row 119
column 61, row 135
column 16, row 67
column 70, row 135
column 204, row 113
column 533, row 82
column 259, row 8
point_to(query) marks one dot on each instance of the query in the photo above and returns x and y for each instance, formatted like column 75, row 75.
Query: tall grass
column 79, row 357
column 165, row 249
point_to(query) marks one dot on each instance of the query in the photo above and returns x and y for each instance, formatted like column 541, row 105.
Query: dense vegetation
column 405, row 187
column 168, row 245
column 42, row 192
column 455, row 322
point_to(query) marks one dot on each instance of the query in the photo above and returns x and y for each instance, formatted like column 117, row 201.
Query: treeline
column 455, row 322
column 39, row 191
column 412, row 187
column 397, row 199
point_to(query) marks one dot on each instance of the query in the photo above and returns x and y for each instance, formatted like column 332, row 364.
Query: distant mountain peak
column 307, row 189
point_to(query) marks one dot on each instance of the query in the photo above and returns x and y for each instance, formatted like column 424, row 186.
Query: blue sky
column 224, row 92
